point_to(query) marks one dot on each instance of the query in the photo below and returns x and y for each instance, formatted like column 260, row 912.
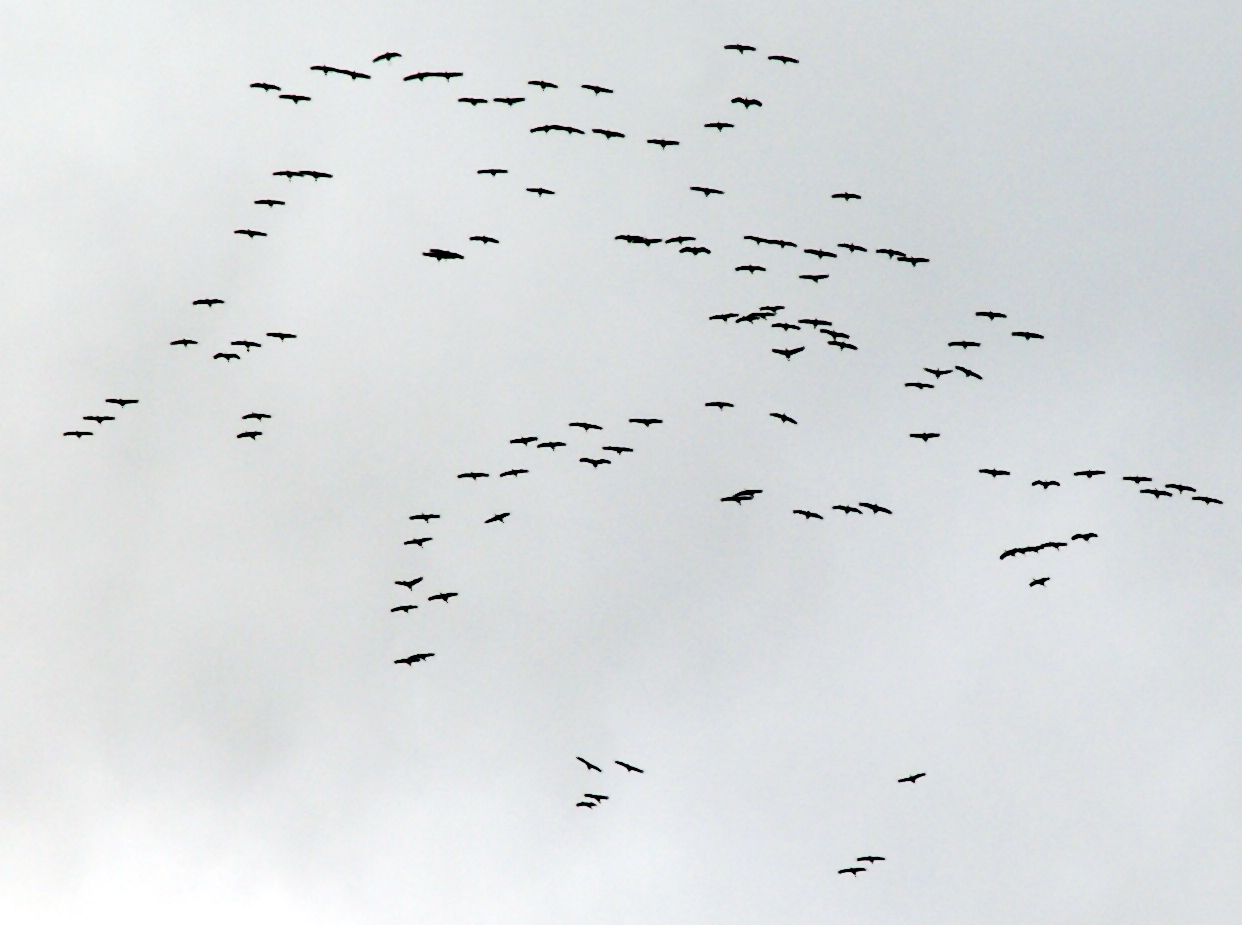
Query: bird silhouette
column 1040, row 581
column 819, row 254
column 472, row 100
column 788, row 353
column 1026, row 335
column 287, row 174
column 1207, row 500
column 783, row 326
column 783, row 59
column 404, row 608
column 122, row 402
column 718, row 126
column 567, row 129
column 295, row 98
column 1089, row 473
column 439, row 255
column 497, row 518
column 919, row 385
column 492, row 171
column 846, row 509
column 551, row 445
column 913, row 261
column 646, row 422
column 890, row 252
column 98, row 418
column 1045, row 484
column 782, row 417
column 924, row 437
column 739, row 497
column 1136, row 479
column 245, row 343
column 607, row 133
column 1179, row 488
column 78, row 433
column 596, row 90
column 408, row 585
column 425, row 518
column 509, row 100
column 937, row 372
column 751, row 268
column 813, row 277
column 227, row 357
column 912, row 779
column 745, row 101
column 964, row 344
column 264, row 87
column 994, row 472
column 423, row 75
column 595, row 796
column 418, row 541
column 183, row 342
column 591, row 767
column 251, row 233
column 411, row 659
column 707, row 191
column 483, row 239
column 853, row 247
column 208, row 302
column 968, row 373
column 618, row 449
column 718, row 404
column 629, row 767
column 252, row 434
column 513, row 472
column 524, row 440
column 870, row 859
column 1085, row 537
column 991, row 316
column 281, row 336
column 542, row 84
column 585, row 803
column 386, row 56
column 269, row 202
column 540, row 191
column 808, row 514
column 740, row 49
column 595, row 463
column 851, row 870
column 443, row 596
column 585, row 426
column 874, row 508
column 1156, row 492
column 846, row 196
column 473, row 475
column 663, row 142
column 694, row 250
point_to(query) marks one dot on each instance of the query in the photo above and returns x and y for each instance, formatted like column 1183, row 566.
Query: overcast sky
column 200, row 718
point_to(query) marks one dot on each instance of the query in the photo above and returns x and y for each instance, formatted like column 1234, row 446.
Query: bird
column 846, row 509
column 472, row 100
column 1089, row 473
column 740, row 49
column 1156, row 492
column 322, row 67
column 183, row 342
column 739, row 497
column 251, row 233
column 252, row 434
column 1085, row 537
column 295, row 98
column 853, row 247
column 1136, row 479
column 662, row 142
column 851, row 870
column 497, row 518
column 680, row 239
column 991, row 316
column 524, row 440
column 425, row 518
column 245, row 343
column 607, row 133
column 551, row 445
column 98, row 418
column 786, row 327
column 913, row 261
column 227, row 357
column 596, row 90
column 386, row 56
column 782, row 417
column 912, row 779
column 586, row 803
column 1040, row 581
column 443, row 596
column 707, row 191
column 718, row 126
column 618, row 449
column 924, row 437
column 1207, row 500
column 264, row 87
column 281, row 336
column 994, row 472
column 646, row 422
column 509, row 100
column 78, row 433
column 937, row 372
column 418, row 541
column 411, row 659
column 968, row 373
column 473, row 475
column 513, row 472
column 745, row 101
column 1045, row 484
column 255, row 416
column 1026, row 335
column 629, row 767
column 964, row 344
column 483, row 239
column 813, row 277
column 595, row 463
column 586, row 426
column 783, row 59
column 718, row 404
column 208, row 302
column 694, row 250
column 287, row 174
column 870, row 859
column 595, row 796
column 589, row 766
column 492, row 171
column 439, row 255
column 1179, row 488
column 542, row 84
column 919, row 385
column 819, row 254
column 122, row 402
column 788, row 353
column 540, row 191
column 846, row 196
column 890, row 252
column 408, row 585
column 874, row 508
column 269, row 202
column 751, row 268
column 423, row 75
column 404, row 608
column 808, row 514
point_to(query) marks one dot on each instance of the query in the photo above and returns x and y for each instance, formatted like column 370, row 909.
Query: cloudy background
column 199, row 715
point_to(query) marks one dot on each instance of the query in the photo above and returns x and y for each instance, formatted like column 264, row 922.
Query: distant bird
column 255, row 416
column 781, row 325
column 991, row 316
column 890, row 252
column 618, row 449
column 783, row 59
column 739, row 497
column 252, row 434
column 596, row 90
column 540, row 191
column 853, row 247
column 251, row 233
column 408, row 585
column 264, row 87
column 913, row 261
column 1206, row 500
column 718, row 126
column 662, row 142
column 404, row 608
column 788, row 353
column 1136, row 479
column 1026, row 335
column 629, row 767
column 851, row 870
column 870, row 859
column 694, row 250
column 269, row 202
column 1040, row 581
column 245, row 343
column 595, row 463
column 585, row 426
column 122, row 402
column 208, row 302
column 820, row 254
column 964, row 344
column 846, row 196
column 595, row 796
column 750, row 268
column 1085, row 537
column 994, row 472
column 183, row 342
column 513, row 472
column 1156, row 492
column 386, row 56
column 411, row 659
column 542, row 84
column 968, row 373
column 98, row 418
column 912, row 779
column 924, row 437
column 281, row 336
column 587, row 803
column 524, row 440
column 443, row 596
column 78, row 433
column 483, row 239
column 1179, row 488
column 509, row 100
column 497, row 518
column 551, row 445
column 473, row 475
column 1090, row 473
column 846, row 509
column 782, row 417
column 813, row 277
column 227, row 357
column 745, row 101
column 808, row 514
column 646, row 422
column 607, row 133
column 937, row 372
column 418, row 541
column 919, row 385
column 723, row 317
column 439, row 254
column 1045, row 484
column 423, row 75
column 707, row 191
column 874, row 508
column 718, row 404
column 591, row 767
column 425, row 518
column 287, row 174
column 740, row 49
column 492, row 171
column 295, row 98
column 472, row 100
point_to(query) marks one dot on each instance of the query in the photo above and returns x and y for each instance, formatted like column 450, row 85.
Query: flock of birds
column 599, row 454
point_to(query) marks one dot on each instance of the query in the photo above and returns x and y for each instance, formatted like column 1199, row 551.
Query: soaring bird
column 937, row 372
column 751, row 268
column 813, row 277
column 281, row 336
column 853, row 247
column 919, row 385
column 968, row 373
column 540, row 191
column 255, row 416
column 608, row 133
column 183, row 342
column 662, row 142
column 227, row 357
column 316, row 175
column 991, row 316
column 287, row 174
column 1136, row 479
column 1207, row 500
column 264, row 87
column 694, row 250
column 924, row 437
column 814, row 322
column 586, row 803
column 718, row 404
column 472, row 100
column 745, row 101
column 252, row 434
column 852, row 870
column 585, row 426
column 1156, row 492
column 783, row 326
column 994, row 472
column 295, row 98
column 443, row 596
column 629, row 767
column 408, row 585
column 913, row 261
column 439, row 254
column 550, row 444
column 497, row 518
column 1085, row 537
column 513, row 472
column 912, row 779
column 870, row 859
column 595, row 463
column 411, row 659
column 618, row 449
column 591, row 767
column 403, row 608
column 740, row 49
column 425, row 518
column 269, row 202
column 542, row 84
column 1089, row 473
column 78, row 433
column 808, row 514
column 251, row 233
column 483, row 239
column 492, row 171
column 718, row 126
column 524, row 440
column 1045, row 484
column 783, row 59
column 599, row 797
column 782, row 417
column 646, row 422
column 739, row 497
column 819, row 254
column 98, row 418
column 245, row 343
column 964, row 344
column 1026, row 335
column 509, row 100
column 122, row 402
column 596, row 90
column 874, row 508
column 208, row 302
column 707, row 191
column 788, row 353
column 890, row 252
column 1179, row 488
column 473, row 475
column 418, row 541
column 846, row 509
column 846, row 196
column 1039, row 581
column 386, row 56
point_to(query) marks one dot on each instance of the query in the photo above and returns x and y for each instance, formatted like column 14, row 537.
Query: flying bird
column 937, row 372
column 718, row 126
column 1136, row 479
column 483, row 239
column 1026, row 335
column 1206, row 500
column 646, row 422
column 472, row 100
column 245, row 343
column 694, row 250
column 439, row 255
column 607, row 133
column 912, row 779
column 404, row 608
column 618, row 449
column 745, row 101
column 78, row 433
column 208, row 302
column 425, row 518
column 509, row 100
column 919, row 385
column 740, row 49
column 269, row 202
column 707, row 191
column 255, row 416
column 968, row 373
column 551, row 445
column 819, row 254
column 808, row 514
column 1156, row 492
column 287, row 174
column 846, row 509
column 473, row 475
column 591, row 767
column 98, row 418
column 408, row 585
column 595, row 463
column 1089, row 473
column 281, row 336
column 227, row 357
column 1045, row 484
column 662, row 142
column 540, row 191
column 751, row 268
column 846, row 196
column 252, row 434
column 1179, row 488
column 492, row 171
column 783, row 59
column 788, row 353
column 628, row 767
column 513, row 472
column 183, row 342
column 994, row 472
column 874, row 508
column 595, row 796
column 964, row 344
column 542, row 84
column 924, row 437
column 782, row 417
column 991, row 316
column 122, row 402
column 264, row 87
column 497, row 518
column 890, row 252
column 418, row 541
column 1085, row 537
column 1039, row 581
column 443, row 596
column 524, row 440
column 386, row 56
column 870, row 859
column 718, row 404
column 853, row 247
column 585, row 426
column 784, row 326
column 295, row 98
column 587, row 803
column 251, row 233
column 851, row 870
column 411, row 659
column 813, row 277
column 596, row 90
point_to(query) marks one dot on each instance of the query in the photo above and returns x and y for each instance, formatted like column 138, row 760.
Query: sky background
column 199, row 715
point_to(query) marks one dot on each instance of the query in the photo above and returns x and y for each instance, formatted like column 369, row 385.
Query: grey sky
column 199, row 715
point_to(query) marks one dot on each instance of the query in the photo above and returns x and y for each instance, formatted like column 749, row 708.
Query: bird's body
column 251, row 233
column 747, row 102
column 542, row 84
column 473, row 475
column 591, row 767
column 1026, row 335
column 646, row 422
column 607, row 133
column 808, row 515
column 540, row 191
column 472, row 100
column 783, row 59
column 964, row 344
column 418, row 541
column 1085, row 537
column 509, row 100
column 740, row 49
column 121, row 402
column 1156, row 492
column 492, row 171
column 252, row 434
column 595, row 463
column 98, row 418
column 208, row 302
column 595, row 89
column 782, row 417
column 968, row 373
column 925, row 436
column 874, row 508
column 721, row 405
column 484, row 239
column 618, row 449
column 846, row 196
column 1040, row 581
column 937, row 372
column 78, row 433
column 694, row 250
column 265, row 87
column 411, row 659
column 991, row 316
column 281, row 336
column 386, row 56
column 853, row 247
column 403, row 608
column 852, row 870
column 551, row 445
column 818, row 254
column 663, row 142
column 919, row 385
column 707, row 191
column 846, row 509
column 183, row 342
column 912, row 779
column 1179, row 488
column 1045, row 484
column 408, row 585
column 497, row 518
column 524, row 441
column 870, row 859
column 439, row 254
column 994, row 472
column 295, row 98
column 513, row 472
column 227, row 357
column 750, row 268
column 1089, row 473
column 1208, row 501
column 245, row 343
column 1136, row 479
column 629, row 767
column 718, row 126
column 443, row 596
column 425, row 518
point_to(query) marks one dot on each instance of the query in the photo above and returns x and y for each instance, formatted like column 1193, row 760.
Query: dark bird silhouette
column 524, row 440
column 846, row 509
column 386, row 56
column 1039, row 581
column 251, row 233
column 718, row 404
column 585, row 803
column 814, row 322
column 408, row 585
column 913, row 261
column 788, row 353
column 122, row 402
column 287, row 174
column 98, row 418
column 423, row 75
column 782, row 417
column 497, row 518
column 542, row 84
column 751, row 268
column 227, row 357
column 870, row 859
column 264, row 87
column 473, row 475
column 411, row 659
column 439, row 255
column 252, row 434
column 919, row 385
column 745, row 101
column 540, row 191
column 472, row 100
column 513, row 472
column 1179, row 488
column 994, row 472
column 323, row 67
column 1089, row 473
column 551, row 445
column 739, row 497
column 707, row 191
column 418, row 541
column 991, row 316
column 255, row 416
column 595, row 796
column 740, row 49
column 208, row 302
column 964, row 344
column 443, row 596
column 853, row 247
column 596, row 463
column 78, row 433
column 585, row 426
column 783, row 59
column 852, row 870
column 1026, row 335
column 608, row 133
column 183, row 342
column 1085, row 537
column 591, row 767
column 846, row 196
column 1045, row 484
column 1156, row 492
column 784, row 326
column 924, row 437
column 245, row 343
column 813, row 277
column 269, row 202
column 404, row 608
column 718, row 126
column 662, row 142
column 968, row 373
column 492, row 171
column 890, row 252
column 425, row 518
column 646, row 422
column 281, row 336
column 808, row 514
column 1136, row 479
column 694, row 250
column 874, row 508
column 912, row 779
column 618, row 449
column 483, row 239
column 1207, row 500
column 596, row 90
column 295, row 98
column 630, row 767
column 820, row 254
column 509, row 100
column 937, row 372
